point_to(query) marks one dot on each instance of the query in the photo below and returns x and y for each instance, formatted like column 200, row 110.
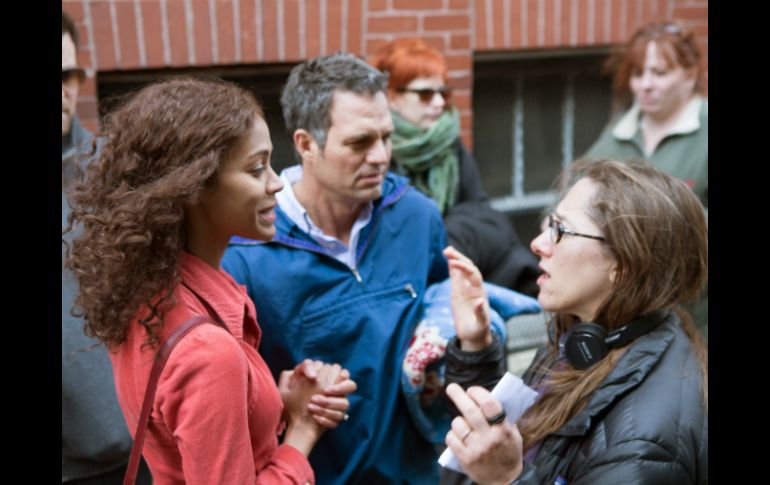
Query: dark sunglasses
column 426, row 94
column 557, row 231
column 67, row 75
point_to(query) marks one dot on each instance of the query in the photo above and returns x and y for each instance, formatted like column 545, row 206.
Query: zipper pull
column 410, row 289
column 356, row 274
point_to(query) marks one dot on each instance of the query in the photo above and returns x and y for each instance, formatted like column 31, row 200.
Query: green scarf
column 428, row 157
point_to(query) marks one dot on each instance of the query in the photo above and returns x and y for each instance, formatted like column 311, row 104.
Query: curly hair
column 163, row 149
column 657, row 234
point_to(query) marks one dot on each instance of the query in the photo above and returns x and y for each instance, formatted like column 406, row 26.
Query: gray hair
column 307, row 97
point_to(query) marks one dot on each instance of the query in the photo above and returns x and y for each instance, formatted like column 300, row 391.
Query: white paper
column 514, row 395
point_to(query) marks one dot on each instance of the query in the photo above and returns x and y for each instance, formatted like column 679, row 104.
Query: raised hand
column 470, row 307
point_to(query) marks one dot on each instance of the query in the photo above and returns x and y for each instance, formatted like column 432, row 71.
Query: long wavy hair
column 163, row 149
column 657, row 233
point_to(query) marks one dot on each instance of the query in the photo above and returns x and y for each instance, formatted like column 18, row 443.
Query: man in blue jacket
column 344, row 277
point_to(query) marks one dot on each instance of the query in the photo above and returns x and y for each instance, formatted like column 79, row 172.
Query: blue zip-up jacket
column 311, row 305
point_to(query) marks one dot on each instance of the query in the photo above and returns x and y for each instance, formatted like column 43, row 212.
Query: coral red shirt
column 217, row 409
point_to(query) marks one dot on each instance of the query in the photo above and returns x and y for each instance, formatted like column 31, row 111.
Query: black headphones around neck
column 587, row 343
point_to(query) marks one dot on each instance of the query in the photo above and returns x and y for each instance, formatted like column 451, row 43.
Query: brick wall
column 139, row 34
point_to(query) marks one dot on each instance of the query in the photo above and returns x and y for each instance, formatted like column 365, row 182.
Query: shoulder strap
column 152, row 385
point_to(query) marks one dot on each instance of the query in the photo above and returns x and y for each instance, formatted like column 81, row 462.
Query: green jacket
column 683, row 153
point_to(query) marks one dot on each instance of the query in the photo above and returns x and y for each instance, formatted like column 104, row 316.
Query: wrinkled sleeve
column 202, row 399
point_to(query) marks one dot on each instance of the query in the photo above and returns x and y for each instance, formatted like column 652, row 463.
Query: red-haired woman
column 624, row 381
column 427, row 149
column 668, row 121
column 186, row 165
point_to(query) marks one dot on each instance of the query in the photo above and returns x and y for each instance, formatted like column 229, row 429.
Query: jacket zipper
column 408, row 287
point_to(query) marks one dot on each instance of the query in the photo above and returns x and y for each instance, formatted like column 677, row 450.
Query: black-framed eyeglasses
column 71, row 73
column 557, row 231
column 426, row 94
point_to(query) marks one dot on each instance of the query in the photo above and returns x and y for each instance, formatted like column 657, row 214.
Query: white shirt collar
column 688, row 121
column 288, row 202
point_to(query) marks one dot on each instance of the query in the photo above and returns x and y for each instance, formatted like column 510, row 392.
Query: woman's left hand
column 489, row 453
column 470, row 307
column 330, row 408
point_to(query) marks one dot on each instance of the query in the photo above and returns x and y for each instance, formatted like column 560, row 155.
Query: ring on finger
column 498, row 418
column 465, row 435
column 345, row 416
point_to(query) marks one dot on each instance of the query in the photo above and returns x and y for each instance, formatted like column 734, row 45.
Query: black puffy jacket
column 645, row 424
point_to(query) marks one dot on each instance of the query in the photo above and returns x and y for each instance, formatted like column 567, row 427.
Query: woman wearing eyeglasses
column 668, row 121
column 427, row 149
column 623, row 383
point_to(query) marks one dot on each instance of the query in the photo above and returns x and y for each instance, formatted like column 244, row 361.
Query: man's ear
column 305, row 145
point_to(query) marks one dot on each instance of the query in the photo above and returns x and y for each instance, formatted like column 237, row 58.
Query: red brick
column 87, row 89
column 459, row 63
column 480, row 28
column 435, row 42
column 533, row 34
column 126, row 20
column 600, row 36
column 457, row 4
column 248, row 40
column 153, row 33
column 549, row 36
column 225, row 27
column 87, row 107
column 511, row 25
column 354, row 26
column 391, row 24
column 459, row 42
column 270, row 33
column 103, row 44
column 312, row 29
column 565, row 24
column 417, row 4
column 498, row 24
column 647, row 15
column 631, row 24
column 177, row 33
column 373, row 46
column 582, row 22
column 700, row 30
column 290, row 30
column 691, row 13
column 333, row 27
column 202, row 33
column 447, row 22
column 463, row 81
column 74, row 9
column 376, row 5
column 462, row 100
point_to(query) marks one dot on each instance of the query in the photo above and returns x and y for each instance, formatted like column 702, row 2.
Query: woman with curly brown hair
column 624, row 381
column 186, row 165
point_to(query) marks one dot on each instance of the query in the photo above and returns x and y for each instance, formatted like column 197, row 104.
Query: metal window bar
column 518, row 200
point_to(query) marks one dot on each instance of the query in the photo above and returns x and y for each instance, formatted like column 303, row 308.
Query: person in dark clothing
column 427, row 149
column 95, row 442
column 623, row 384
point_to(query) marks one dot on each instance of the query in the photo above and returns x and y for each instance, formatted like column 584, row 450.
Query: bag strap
column 152, row 386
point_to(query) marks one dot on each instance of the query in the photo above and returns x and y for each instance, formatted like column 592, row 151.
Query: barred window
column 533, row 113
